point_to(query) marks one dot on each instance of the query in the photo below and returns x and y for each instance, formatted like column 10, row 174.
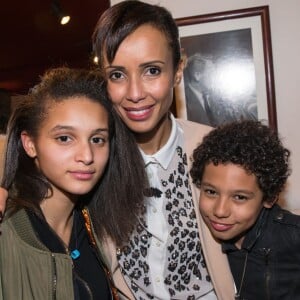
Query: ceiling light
column 96, row 60
column 59, row 13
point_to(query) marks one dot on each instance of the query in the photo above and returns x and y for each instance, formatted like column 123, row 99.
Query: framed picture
column 228, row 72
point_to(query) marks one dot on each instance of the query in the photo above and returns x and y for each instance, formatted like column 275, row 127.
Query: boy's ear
column 28, row 144
column 269, row 204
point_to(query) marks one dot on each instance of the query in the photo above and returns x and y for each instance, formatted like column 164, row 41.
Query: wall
column 285, row 24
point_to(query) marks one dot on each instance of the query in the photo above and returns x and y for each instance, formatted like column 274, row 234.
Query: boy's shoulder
column 285, row 217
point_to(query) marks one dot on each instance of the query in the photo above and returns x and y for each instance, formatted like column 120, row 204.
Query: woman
column 61, row 141
column 166, row 257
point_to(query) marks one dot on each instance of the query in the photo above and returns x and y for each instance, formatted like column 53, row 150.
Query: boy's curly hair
column 251, row 145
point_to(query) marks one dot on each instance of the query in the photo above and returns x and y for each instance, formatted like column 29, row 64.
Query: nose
column 135, row 89
column 221, row 208
column 85, row 153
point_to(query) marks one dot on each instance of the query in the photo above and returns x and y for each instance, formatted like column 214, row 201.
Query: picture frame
column 228, row 72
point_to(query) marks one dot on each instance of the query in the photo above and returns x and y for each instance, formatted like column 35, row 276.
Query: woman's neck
column 152, row 141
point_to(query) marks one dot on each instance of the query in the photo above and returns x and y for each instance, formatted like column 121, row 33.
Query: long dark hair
column 116, row 200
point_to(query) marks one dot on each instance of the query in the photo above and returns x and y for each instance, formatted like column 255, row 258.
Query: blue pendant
column 75, row 254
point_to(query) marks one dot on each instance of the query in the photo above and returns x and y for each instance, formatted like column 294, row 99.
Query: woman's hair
column 5, row 109
column 115, row 203
column 122, row 19
column 251, row 145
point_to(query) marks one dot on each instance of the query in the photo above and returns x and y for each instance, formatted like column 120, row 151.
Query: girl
column 61, row 141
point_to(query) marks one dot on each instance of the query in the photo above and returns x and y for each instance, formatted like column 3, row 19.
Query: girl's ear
column 28, row 144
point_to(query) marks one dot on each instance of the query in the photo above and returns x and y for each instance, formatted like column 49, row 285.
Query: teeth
column 138, row 112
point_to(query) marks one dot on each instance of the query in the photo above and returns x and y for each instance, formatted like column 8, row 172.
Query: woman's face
column 141, row 79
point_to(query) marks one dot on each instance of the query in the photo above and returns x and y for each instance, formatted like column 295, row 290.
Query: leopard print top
column 185, row 274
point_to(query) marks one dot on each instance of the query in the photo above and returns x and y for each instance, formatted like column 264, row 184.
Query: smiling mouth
column 139, row 114
column 220, row 226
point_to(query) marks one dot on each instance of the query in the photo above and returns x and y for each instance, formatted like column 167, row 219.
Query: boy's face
column 230, row 201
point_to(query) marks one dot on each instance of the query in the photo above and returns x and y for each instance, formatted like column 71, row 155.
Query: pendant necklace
column 74, row 253
column 237, row 295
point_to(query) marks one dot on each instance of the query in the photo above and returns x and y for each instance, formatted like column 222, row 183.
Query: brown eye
column 63, row 138
column 209, row 192
column 116, row 75
column 98, row 140
column 240, row 197
column 153, row 71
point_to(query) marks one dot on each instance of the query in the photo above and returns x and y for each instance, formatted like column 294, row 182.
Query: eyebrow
column 65, row 127
column 206, row 184
column 152, row 62
column 141, row 65
column 114, row 67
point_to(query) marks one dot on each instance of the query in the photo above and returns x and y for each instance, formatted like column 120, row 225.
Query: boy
column 240, row 169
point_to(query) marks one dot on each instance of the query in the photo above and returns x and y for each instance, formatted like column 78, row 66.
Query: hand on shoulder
column 3, row 198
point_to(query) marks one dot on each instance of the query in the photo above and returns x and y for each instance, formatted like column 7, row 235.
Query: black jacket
column 273, row 264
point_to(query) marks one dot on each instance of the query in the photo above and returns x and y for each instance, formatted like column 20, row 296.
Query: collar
column 252, row 235
column 164, row 155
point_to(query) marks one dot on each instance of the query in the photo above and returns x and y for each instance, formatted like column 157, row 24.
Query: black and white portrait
column 219, row 77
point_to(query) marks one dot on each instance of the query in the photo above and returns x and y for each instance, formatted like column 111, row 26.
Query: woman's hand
column 3, row 198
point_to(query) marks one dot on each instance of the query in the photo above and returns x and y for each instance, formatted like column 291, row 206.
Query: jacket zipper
column 54, row 277
column 268, row 273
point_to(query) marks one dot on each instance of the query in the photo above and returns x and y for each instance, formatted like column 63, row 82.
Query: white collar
column 164, row 155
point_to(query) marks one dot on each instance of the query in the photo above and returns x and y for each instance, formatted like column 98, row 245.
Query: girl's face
column 72, row 146
column 230, row 201
column 141, row 79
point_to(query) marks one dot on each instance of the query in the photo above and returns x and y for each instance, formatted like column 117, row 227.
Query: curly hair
column 251, row 145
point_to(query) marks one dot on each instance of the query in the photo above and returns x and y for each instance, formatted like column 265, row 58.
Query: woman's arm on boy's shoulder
column 3, row 198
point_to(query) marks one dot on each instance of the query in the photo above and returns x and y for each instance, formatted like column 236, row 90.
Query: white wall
column 285, row 26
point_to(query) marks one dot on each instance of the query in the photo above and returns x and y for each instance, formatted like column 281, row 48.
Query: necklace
column 74, row 253
column 237, row 295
